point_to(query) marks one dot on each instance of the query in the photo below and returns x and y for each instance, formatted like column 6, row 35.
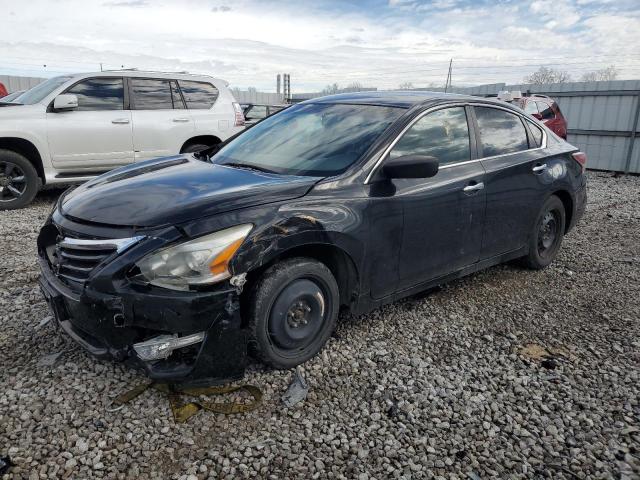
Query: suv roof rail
column 181, row 72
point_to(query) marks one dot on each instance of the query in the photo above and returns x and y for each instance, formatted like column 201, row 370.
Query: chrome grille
column 74, row 259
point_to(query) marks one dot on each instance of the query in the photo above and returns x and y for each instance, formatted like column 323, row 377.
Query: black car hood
column 176, row 189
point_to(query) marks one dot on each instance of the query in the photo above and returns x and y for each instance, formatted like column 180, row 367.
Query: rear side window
column 443, row 134
column 151, row 94
column 501, row 132
column 99, row 94
column 536, row 131
column 546, row 111
column 257, row 112
column 198, row 95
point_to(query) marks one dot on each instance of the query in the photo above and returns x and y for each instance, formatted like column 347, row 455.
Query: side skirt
column 366, row 303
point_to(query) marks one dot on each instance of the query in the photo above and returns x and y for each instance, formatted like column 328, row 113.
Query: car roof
column 148, row 74
column 397, row 98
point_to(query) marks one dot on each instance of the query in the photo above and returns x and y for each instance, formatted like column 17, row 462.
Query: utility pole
column 278, row 84
column 448, row 82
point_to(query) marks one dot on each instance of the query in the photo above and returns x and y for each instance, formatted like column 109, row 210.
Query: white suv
column 71, row 128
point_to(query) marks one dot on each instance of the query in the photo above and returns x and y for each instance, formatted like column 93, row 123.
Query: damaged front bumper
column 112, row 325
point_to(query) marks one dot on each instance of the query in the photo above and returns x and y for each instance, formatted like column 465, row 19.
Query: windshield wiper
column 248, row 167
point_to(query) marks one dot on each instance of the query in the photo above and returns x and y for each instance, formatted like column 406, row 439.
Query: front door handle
column 180, row 119
column 119, row 121
column 473, row 188
column 539, row 168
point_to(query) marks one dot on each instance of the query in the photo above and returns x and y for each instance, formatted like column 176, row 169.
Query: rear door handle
column 539, row 168
column 180, row 119
column 473, row 188
column 119, row 121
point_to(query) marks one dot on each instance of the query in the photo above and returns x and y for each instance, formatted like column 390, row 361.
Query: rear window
column 198, row 95
column 501, row 132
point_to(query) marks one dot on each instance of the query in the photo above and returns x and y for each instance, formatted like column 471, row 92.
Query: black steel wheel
column 18, row 180
column 547, row 235
column 292, row 312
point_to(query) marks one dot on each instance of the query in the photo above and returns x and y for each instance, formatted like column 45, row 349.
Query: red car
column 545, row 109
column 3, row 91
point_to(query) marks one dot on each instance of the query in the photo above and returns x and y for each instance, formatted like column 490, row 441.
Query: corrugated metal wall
column 602, row 118
column 14, row 84
column 261, row 98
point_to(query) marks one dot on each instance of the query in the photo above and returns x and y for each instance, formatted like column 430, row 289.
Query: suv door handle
column 119, row 121
column 473, row 187
column 539, row 168
column 180, row 119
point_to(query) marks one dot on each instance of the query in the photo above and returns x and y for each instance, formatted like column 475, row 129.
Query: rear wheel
column 546, row 238
column 292, row 312
column 18, row 180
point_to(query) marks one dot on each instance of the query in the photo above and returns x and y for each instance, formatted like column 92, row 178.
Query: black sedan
column 184, row 265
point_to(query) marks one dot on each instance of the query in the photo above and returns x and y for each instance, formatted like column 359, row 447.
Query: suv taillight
column 239, row 115
column 581, row 158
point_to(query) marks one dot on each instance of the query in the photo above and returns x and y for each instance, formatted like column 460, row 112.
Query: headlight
column 202, row 261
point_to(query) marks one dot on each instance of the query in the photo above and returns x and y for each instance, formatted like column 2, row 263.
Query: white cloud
column 248, row 43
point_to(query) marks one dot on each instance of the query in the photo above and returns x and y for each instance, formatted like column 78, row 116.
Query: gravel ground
column 434, row 386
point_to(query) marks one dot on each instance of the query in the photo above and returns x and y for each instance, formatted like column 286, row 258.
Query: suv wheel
column 546, row 238
column 18, row 180
column 292, row 311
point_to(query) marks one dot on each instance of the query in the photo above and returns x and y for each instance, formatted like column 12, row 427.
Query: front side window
column 151, row 94
column 312, row 139
column 501, row 132
column 443, row 134
column 101, row 93
column 545, row 111
column 198, row 95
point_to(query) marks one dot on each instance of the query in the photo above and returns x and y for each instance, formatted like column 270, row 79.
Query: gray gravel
column 431, row 387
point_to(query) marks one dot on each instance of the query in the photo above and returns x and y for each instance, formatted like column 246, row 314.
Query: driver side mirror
column 411, row 166
column 66, row 101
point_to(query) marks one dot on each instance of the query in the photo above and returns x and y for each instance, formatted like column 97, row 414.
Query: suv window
column 501, row 132
column 178, row 103
column 151, row 94
column 198, row 95
column 545, row 110
column 99, row 94
column 443, row 134
column 257, row 112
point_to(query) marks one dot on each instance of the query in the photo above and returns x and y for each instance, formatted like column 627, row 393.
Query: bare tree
column 331, row 89
column 604, row 74
column 548, row 75
column 355, row 86
column 252, row 89
column 405, row 86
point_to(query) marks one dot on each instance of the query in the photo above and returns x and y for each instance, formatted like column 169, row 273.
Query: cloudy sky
column 380, row 43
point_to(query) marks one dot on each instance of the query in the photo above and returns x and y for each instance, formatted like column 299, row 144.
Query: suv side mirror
column 66, row 101
column 411, row 166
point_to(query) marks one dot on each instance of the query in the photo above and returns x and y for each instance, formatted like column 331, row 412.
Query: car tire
column 292, row 312
column 546, row 238
column 19, row 180
column 194, row 147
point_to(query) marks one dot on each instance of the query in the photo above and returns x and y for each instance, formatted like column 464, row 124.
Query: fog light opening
column 160, row 347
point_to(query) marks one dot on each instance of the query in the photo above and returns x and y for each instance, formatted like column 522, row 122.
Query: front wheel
column 546, row 238
column 18, row 180
column 292, row 312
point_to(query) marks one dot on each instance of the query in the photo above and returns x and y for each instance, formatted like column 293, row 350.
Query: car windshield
column 37, row 93
column 309, row 139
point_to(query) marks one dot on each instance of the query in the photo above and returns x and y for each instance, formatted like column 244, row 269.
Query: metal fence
column 602, row 118
column 14, row 84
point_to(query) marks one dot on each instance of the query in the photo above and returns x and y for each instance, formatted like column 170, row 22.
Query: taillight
column 581, row 158
column 239, row 115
